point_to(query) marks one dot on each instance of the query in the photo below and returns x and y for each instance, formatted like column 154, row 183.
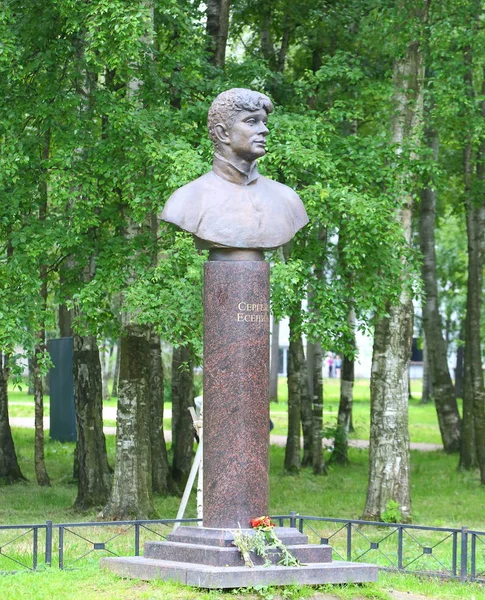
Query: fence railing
column 456, row 553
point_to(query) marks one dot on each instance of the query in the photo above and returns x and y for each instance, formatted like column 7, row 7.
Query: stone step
column 224, row 537
column 212, row 577
column 230, row 556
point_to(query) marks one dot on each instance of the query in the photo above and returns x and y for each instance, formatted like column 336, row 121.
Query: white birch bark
column 389, row 466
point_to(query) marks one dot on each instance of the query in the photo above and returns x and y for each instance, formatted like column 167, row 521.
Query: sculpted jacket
column 229, row 208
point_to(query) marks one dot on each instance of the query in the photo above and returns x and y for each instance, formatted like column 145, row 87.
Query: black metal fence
column 455, row 553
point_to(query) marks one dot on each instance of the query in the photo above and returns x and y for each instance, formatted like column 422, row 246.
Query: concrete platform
column 207, row 576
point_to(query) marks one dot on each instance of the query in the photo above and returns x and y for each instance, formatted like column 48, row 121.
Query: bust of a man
column 233, row 206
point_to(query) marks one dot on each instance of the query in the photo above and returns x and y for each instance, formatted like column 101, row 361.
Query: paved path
column 109, row 414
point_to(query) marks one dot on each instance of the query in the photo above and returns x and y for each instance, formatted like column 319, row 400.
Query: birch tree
column 389, row 465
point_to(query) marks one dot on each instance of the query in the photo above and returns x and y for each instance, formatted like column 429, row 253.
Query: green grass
column 442, row 496
column 423, row 422
column 453, row 499
column 90, row 583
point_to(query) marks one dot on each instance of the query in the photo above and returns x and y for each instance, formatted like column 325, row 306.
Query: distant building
column 363, row 363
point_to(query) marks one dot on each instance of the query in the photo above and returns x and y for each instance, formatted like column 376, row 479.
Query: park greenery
column 453, row 499
column 379, row 127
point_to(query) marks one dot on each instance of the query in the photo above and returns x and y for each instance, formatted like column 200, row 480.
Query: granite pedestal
column 236, row 449
column 206, row 557
column 236, row 392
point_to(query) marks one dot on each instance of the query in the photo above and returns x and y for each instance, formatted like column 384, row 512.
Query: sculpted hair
column 226, row 106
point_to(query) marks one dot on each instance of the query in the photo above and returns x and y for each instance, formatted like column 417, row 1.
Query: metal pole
column 464, row 553
column 349, row 542
column 137, row 539
column 48, row 543
column 34, row 558
column 399, row 547
column 61, row 547
column 189, row 486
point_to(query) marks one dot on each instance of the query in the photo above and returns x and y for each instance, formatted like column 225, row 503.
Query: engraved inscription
column 252, row 312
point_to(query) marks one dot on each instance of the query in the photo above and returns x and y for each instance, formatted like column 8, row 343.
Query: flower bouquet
column 261, row 542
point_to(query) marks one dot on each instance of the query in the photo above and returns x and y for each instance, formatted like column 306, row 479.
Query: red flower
column 261, row 523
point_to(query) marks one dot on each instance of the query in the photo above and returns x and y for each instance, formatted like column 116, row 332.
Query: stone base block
column 212, row 536
column 207, row 558
column 208, row 576
column 230, row 557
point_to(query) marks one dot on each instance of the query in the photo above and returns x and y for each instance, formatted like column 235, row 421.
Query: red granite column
column 236, row 392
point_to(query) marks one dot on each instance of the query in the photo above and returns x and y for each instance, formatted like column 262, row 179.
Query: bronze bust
column 233, row 206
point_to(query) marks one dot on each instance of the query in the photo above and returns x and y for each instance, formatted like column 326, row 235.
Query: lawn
column 423, row 422
column 442, row 496
column 453, row 498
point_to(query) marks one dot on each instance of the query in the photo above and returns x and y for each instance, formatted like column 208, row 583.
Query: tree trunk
column 427, row 390
column 292, row 450
column 459, row 369
column 65, row 321
column 306, row 409
column 267, row 48
column 112, row 365
column 341, row 442
column 39, row 460
column 161, row 476
column 64, row 316
column 183, row 399
column 474, row 396
column 444, row 394
column 315, row 379
column 40, row 346
column 131, row 494
column 176, row 361
column 478, row 229
column 274, row 363
column 92, row 470
column 30, row 389
column 283, row 51
column 104, row 360
column 116, row 372
column 389, row 466
column 218, row 29
column 468, row 453
column 9, row 467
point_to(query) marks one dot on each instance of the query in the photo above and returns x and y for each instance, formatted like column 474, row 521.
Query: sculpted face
column 246, row 136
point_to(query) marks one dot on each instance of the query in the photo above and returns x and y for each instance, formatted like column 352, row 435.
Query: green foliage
column 120, row 96
column 392, row 514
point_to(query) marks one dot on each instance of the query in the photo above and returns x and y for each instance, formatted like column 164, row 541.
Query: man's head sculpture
column 229, row 104
column 233, row 206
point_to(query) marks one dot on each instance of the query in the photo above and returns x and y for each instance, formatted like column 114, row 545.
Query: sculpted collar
column 226, row 170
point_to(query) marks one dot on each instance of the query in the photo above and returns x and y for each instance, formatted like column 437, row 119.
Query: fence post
column 473, row 562
column 293, row 519
column 349, row 541
column 464, row 553
column 48, row 543
column 61, row 547
column 399, row 547
column 300, row 525
column 455, row 553
column 137, row 539
column 35, row 544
